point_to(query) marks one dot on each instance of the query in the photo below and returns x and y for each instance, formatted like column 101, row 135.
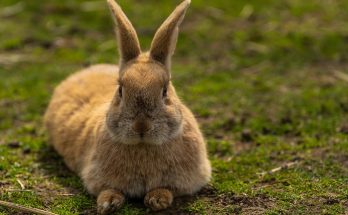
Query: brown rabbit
column 124, row 130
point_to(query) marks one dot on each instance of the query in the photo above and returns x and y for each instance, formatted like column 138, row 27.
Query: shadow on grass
column 76, row 197
column 53, row 165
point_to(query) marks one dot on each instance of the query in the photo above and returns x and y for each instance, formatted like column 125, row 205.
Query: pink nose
column 141, row 126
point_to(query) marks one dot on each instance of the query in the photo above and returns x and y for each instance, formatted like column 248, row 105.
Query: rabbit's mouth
column 145, row 140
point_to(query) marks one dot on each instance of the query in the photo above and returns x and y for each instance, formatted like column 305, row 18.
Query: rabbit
column 124, row 130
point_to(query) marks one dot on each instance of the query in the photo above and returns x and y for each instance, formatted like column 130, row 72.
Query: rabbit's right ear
column 127, row 38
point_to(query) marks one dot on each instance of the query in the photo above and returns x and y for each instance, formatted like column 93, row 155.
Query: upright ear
column 128, row 43
column 164, row 42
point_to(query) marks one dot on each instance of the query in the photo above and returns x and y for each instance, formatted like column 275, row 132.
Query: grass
column 265, row 80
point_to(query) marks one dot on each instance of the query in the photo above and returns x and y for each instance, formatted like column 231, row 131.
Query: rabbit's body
column 74, row 115
column 76, row 125
column 124, row 130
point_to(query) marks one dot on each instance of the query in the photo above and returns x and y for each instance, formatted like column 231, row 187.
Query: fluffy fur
column 124, row 130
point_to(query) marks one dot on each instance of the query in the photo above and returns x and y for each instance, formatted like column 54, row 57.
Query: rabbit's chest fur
column 135, row 170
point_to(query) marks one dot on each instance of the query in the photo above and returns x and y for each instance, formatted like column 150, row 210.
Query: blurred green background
column 267, row 80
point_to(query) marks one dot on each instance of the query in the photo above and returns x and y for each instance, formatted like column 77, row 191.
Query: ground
column 267, row 80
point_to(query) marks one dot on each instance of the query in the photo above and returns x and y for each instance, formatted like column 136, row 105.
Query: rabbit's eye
column 120, row 91
column 164, row 92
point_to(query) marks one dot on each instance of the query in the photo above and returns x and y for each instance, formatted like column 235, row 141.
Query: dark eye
column 164, row 92
column 120, row 91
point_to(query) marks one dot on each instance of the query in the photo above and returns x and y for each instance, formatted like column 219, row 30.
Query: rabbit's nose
column 141, row 126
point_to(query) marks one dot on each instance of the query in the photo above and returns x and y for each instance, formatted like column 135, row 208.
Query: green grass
column 262, row 77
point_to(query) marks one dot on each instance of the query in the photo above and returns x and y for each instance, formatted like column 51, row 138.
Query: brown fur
column 158, row 199
column 120, row 131
column 109, row 201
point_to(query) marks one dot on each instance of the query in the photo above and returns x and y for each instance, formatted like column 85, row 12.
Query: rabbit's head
column 145, row 108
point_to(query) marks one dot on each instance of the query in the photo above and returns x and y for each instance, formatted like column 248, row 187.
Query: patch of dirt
column 318, row 203
column 239, row 147
column 247, row 135
column 326, row 153
column 343, row 128
column 230, row 123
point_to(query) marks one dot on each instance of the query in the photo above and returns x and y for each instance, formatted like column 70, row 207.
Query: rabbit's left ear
column 128, row 43
column 164, row 41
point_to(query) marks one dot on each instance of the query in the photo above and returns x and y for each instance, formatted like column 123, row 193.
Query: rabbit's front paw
column 109, row 201
column 158, row 199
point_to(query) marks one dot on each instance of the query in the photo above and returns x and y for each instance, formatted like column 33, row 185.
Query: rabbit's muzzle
column 141, row 126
